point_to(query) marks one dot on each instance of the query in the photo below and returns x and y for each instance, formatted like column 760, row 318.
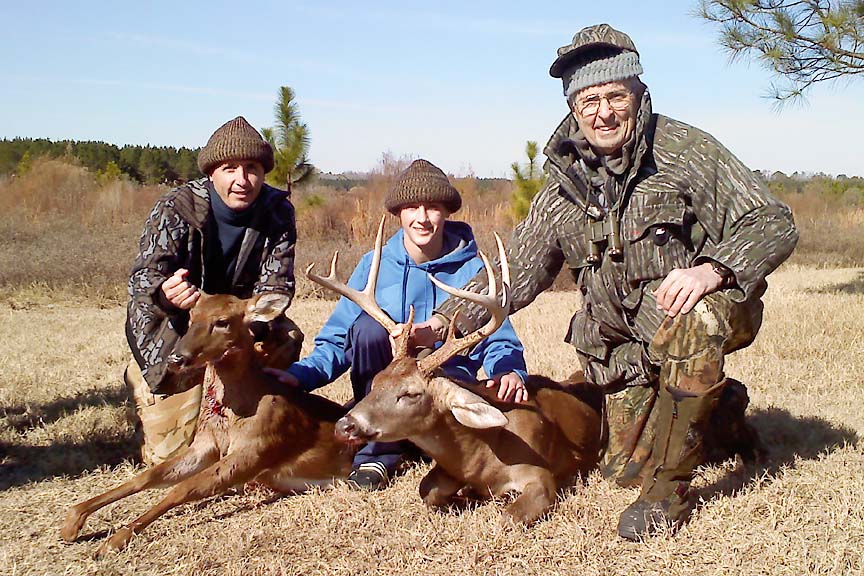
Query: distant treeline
column 849, row 190
column 145, row 164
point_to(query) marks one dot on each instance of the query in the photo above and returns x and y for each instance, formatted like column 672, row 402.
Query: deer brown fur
column 532, row 449
column 250, row 427
column 494, row 448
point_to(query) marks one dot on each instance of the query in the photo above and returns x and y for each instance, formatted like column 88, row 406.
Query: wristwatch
column 726, row 275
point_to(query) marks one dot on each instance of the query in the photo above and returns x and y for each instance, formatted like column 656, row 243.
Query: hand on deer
column 283, row 376
column 423, row 334
column 511, row 388
column 179, row 292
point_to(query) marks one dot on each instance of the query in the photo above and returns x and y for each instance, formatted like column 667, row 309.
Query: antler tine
column 365, row 299
column 499, row 312
column 402, row 341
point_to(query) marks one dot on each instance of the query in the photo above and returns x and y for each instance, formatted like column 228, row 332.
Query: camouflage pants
column 166, row 424
column 686, row 352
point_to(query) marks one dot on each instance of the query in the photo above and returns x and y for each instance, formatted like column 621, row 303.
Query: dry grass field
column 64, row 438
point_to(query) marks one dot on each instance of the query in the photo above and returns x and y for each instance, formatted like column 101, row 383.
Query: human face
column 238, row 182
column 423, row 226
column 606, row 115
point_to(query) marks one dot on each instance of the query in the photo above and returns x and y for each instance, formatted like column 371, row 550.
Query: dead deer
column 250, row 428
column 479, row 443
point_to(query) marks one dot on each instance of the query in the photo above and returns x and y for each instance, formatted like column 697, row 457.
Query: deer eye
column 409, row 396
column 221, row 323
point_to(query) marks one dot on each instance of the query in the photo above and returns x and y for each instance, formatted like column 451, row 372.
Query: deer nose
column 345, row 429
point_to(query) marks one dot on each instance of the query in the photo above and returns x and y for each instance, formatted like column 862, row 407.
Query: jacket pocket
column 574, row 245
column 584, row 334
column 658, row 238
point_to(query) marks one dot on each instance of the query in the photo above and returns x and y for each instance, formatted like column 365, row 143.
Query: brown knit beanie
column 235, row 140
column 422, row 181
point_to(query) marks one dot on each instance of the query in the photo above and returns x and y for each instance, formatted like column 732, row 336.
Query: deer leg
column 438, row 488
column 536, row 498
column 188, row 462
column 236, row 468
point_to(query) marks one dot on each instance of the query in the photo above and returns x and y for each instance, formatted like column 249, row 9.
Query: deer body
column 250, row 427
column 494, row 448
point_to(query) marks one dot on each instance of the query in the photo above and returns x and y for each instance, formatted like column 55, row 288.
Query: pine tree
column 290, row 142
column 802, row 42
column 527, row 184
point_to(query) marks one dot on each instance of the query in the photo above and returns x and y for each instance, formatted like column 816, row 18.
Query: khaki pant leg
column 168, row 423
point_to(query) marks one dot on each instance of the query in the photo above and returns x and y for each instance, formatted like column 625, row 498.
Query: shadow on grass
column 855, row 286
column 21, row 463
column 784, row 438
column 24, row 464
column 24, row 417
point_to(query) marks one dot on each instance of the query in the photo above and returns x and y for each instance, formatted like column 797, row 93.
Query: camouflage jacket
column 685, row 199
column 173, row 238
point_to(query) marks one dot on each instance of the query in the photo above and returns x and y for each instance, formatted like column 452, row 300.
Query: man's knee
column 703, row 330
column 716, row 322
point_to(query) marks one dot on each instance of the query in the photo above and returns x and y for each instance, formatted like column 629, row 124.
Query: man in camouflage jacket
column 669, row 237
column 227, row 233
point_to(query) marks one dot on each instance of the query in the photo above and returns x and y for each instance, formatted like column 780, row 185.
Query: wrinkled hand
column 283, row 377
column 510, row 387
column 179, row 292
column 684, row 287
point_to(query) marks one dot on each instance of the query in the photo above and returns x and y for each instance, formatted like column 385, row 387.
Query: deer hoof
column 115, row 543
column 523, row 512
column 72, row 526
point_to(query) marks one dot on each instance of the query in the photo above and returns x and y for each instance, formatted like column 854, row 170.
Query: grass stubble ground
column 64, row 438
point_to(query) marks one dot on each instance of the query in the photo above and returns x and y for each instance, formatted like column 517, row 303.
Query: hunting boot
column 665, row 501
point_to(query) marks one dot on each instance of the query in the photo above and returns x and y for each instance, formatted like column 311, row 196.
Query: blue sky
column 463, row 84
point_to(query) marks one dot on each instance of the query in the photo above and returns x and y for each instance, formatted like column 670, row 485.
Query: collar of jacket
column 192, row 203
column 570, row 159
column 194, row 207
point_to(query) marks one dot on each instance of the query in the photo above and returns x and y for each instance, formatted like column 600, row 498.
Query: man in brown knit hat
column 226, row 233
column 426, row 243
column 669, row 239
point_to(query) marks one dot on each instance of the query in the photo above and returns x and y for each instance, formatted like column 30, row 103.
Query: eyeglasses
column 590, row 105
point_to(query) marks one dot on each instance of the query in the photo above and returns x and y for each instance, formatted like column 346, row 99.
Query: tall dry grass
column 832, row 230
column 63, row 438
column 64, row 232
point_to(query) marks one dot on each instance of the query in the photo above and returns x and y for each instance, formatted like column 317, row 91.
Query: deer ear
column 472, row 411
column 266, row 307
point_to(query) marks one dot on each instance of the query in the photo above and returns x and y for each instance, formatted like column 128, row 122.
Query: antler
column 454, row 345
column 365, row 299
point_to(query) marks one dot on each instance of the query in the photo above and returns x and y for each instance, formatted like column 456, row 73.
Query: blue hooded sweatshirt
column 401, row 284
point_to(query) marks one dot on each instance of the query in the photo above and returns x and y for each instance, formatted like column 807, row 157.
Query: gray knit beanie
column 422, row 181
column 235, row 140
column 597, row 55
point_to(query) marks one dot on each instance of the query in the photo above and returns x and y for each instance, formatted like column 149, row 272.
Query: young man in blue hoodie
column 426, row 243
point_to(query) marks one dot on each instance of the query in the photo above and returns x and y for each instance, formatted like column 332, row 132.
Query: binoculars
column 604, row 235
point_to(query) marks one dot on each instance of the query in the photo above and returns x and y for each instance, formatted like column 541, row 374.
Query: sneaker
column 369, row 476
